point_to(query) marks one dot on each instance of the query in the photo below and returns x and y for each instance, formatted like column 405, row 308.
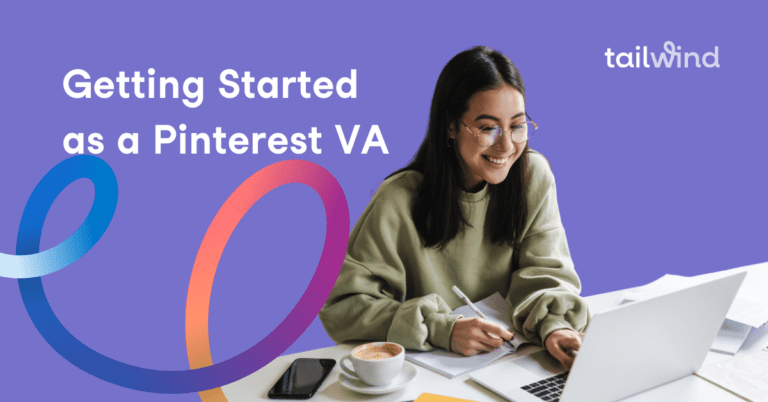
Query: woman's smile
column 499, row 161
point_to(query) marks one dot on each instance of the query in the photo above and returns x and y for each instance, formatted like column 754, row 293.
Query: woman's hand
column 562, row 343
column 471, row 336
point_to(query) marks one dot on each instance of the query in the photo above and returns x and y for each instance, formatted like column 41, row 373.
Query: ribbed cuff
column 550, row 324
column 440, row 327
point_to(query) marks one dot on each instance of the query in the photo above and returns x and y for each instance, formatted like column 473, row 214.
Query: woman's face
column 503, row 107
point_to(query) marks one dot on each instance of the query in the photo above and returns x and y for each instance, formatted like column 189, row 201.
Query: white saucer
column 406, row 376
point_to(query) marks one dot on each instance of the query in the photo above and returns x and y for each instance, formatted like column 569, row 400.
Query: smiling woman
column 488, row 154
column 475, row 208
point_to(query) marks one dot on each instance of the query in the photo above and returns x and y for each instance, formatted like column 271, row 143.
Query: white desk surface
column 691, row 388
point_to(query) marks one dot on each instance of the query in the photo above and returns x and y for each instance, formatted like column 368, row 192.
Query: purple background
column 658, row 170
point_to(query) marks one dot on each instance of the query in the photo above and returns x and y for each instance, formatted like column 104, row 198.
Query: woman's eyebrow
column 487, row 116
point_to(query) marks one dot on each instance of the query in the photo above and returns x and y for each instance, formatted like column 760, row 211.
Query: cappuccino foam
column 378, row 352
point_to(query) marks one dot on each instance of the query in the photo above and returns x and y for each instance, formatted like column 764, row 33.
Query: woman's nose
column 505, row 143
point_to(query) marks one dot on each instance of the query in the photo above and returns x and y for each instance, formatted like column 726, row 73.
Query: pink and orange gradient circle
column 216, row 237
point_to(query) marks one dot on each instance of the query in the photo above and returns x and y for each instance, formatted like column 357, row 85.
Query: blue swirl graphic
column 28, row 263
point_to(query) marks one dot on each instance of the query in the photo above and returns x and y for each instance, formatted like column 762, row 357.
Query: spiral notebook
column 452, row 364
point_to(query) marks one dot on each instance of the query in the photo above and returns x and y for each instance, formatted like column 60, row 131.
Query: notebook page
column 452, row 364
column 494, row 307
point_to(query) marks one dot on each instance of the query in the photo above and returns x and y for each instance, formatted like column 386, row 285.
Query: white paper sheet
column 754, row 285
column 452, row 364
column 746, row 376
column 730, row 337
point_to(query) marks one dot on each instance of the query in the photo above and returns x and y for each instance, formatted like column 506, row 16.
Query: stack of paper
column 747, row 319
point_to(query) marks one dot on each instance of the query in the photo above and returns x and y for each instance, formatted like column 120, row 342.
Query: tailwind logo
column 671, row 58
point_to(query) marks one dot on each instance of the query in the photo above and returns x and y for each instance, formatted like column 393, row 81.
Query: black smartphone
column 302, row 379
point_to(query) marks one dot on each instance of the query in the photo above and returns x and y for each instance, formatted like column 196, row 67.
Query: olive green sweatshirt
column 392, row 288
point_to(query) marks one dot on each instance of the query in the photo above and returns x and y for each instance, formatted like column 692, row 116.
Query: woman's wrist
column 552, row 323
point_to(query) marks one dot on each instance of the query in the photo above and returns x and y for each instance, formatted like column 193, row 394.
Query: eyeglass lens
column 489, row 136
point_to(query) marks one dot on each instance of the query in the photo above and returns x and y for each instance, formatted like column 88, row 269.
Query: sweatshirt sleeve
column 368, row 301
column 544, row 291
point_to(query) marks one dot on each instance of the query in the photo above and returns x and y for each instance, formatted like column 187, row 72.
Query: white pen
column 474, row 308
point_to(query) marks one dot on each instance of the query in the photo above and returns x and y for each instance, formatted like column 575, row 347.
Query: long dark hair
column 437, row 212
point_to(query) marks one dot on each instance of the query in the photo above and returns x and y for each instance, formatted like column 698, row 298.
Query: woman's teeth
column 494, row 160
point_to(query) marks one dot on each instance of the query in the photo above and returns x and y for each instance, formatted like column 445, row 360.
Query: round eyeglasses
column 489, row 136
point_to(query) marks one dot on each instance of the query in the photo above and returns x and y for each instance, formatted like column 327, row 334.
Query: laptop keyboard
column 548, row 389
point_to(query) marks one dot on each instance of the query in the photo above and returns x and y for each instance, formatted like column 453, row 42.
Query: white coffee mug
column 376, row 363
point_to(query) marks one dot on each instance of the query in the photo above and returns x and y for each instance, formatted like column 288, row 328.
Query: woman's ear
column 451, row 128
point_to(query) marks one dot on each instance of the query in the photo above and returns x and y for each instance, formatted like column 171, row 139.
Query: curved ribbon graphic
column 29, row 263
column 203, row 376
column 224, row 223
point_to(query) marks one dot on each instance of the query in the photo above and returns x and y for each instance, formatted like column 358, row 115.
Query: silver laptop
column 626, row 350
